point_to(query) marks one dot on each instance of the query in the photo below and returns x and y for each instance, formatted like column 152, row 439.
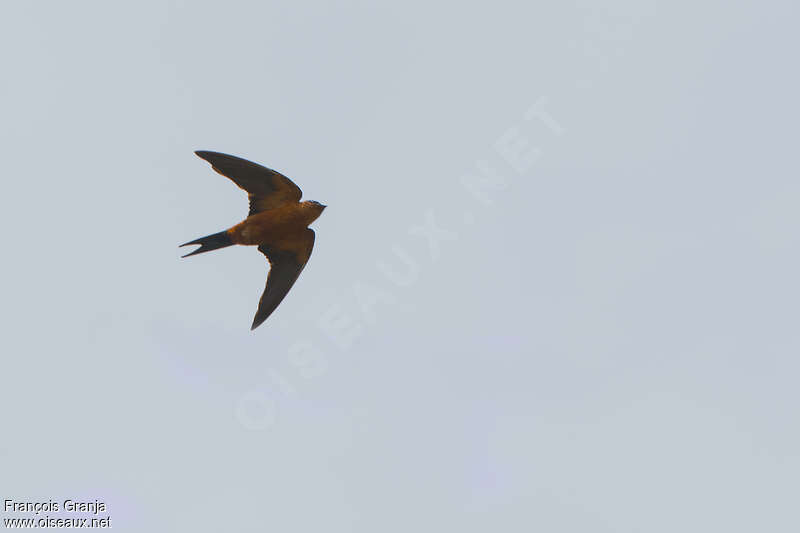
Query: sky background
column 555, row 288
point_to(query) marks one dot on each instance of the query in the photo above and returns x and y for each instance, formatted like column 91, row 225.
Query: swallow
column 277, row 223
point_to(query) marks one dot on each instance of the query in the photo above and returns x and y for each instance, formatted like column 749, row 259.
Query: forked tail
column 210, row 242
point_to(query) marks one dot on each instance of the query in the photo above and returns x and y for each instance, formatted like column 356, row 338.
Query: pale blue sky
column 602, row 338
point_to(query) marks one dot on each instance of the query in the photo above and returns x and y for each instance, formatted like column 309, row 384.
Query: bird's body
column 280, row 222
column 277, row 223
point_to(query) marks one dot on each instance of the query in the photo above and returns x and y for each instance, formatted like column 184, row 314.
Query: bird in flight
column 277, row 223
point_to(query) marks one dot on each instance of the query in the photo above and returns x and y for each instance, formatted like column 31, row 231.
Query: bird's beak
column 323, row 206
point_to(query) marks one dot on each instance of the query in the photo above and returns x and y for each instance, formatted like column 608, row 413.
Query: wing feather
column 287, row 258
column 266, row 188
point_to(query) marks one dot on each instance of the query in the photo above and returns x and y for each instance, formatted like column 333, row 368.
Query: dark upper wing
column 265, row 187
column 287, row 258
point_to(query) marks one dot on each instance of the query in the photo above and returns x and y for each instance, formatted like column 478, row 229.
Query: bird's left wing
column 287, row 258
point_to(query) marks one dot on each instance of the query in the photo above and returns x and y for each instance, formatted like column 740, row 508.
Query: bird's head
column 316, row 208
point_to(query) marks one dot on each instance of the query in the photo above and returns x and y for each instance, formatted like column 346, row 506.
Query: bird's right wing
column 287, row 258
column 266, row 188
